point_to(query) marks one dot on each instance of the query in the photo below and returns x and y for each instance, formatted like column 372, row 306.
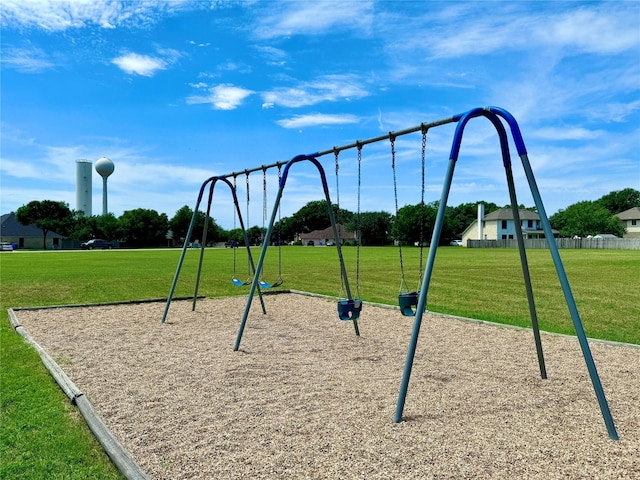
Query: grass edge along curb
column 121, row 458
column 471, row 320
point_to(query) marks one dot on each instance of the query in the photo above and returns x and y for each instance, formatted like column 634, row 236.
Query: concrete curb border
column 114, row 449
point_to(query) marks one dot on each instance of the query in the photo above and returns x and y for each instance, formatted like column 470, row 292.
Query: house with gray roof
column 26, row 236
column 631, row 220
column 322, row 238
column 499, row 225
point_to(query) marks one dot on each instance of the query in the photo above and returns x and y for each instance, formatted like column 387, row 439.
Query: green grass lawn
column 41, row 435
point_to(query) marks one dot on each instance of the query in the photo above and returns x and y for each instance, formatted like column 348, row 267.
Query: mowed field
column 40, row 433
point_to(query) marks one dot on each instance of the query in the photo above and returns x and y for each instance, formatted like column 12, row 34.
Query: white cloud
column 601, row 29
column 140, row 64
column 60, row 15
column 328, row 88
column 316, row 119
column 274, row 56
column 27, row 60
column 222, row 97
column 567, row 133
column 292, row 17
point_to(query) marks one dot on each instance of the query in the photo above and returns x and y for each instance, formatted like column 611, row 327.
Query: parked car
column 97, row 243
column 231, row 244
column 6, row 247
column 456, row 243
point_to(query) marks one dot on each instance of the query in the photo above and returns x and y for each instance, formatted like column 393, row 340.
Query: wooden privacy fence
column 599, row 243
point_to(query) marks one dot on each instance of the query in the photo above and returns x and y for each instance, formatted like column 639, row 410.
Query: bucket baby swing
column 408, row 300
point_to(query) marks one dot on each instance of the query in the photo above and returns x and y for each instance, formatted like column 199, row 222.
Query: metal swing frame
column 212, row 181
column 494, row 115
column 350, row 301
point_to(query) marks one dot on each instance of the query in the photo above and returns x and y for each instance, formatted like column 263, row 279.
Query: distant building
column 321, row 238
column 26, row 236
column 631, row 220
column 499, row 225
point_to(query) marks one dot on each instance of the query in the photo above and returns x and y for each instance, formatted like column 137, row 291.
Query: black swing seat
column 408, row 302
column 349, row 309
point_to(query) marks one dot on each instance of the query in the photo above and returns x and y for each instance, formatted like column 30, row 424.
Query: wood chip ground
column 305, row 398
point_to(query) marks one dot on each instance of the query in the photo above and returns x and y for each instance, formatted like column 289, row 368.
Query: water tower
column 83, row 186
column 104, row 167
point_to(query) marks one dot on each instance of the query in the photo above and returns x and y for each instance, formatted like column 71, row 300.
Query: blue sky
column 174, row 92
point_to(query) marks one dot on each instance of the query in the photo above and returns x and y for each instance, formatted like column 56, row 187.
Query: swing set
column 412, row 303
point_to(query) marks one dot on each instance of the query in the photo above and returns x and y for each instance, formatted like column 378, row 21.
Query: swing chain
column 358, row 226
column 392, row 139
column 264, row 196
column 336, row 153
column 424, row 130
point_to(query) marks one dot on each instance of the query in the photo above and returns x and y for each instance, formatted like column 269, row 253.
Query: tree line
column 412, row 224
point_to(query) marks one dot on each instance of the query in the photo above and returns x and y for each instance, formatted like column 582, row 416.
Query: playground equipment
column 279, row 281
column 408, row 301
column 212, row 181
column 234, row 279
column 351, row 306
column 345, row 307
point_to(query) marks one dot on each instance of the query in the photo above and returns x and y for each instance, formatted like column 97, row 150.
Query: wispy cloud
column 64, row 14
column 316, row 119
column 27, row 60
column 291, row 17
column 612, row 28
column 222, row 97
column 274, row 56
column 328, row 88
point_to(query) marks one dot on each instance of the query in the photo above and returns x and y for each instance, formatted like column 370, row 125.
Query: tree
column 620, row 200
column 107, row 227
column 375, row 227
column 586, row 218
column 48, row 216
column 84, row 227
column 179, row 225
column 315, row 216
column 144, row 227
column 411, row 225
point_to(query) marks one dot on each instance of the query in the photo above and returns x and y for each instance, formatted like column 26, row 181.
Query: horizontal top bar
column 360, row 143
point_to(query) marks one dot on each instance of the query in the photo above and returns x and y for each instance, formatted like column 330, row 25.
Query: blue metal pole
column 257, row 270
column 435, row 239
column 184, row 249
column 204, row 243
column 525, row 273
column 506, row 161
column 562, row 276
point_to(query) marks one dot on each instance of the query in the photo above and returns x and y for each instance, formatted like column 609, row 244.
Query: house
column 631, row 220
column 26, row 236
column 499, row 225
column 321, row 238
